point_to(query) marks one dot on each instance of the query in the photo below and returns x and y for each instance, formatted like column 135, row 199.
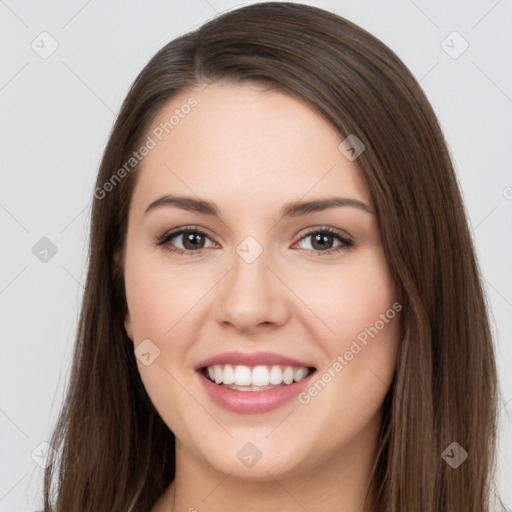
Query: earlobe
column 128, row 325
column 117, row 258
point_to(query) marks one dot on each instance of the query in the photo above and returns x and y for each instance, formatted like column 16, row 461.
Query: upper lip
column 251, row 359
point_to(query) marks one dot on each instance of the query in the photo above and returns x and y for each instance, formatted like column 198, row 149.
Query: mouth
column 253, row 383
column 256, row 378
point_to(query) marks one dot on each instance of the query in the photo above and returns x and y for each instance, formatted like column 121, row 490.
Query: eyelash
column 164, row 240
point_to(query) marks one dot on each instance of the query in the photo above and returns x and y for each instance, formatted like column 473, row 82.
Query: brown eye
column 323, row 241
column 191, row 240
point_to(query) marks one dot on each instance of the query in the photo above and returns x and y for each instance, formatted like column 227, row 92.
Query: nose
column 252, row 296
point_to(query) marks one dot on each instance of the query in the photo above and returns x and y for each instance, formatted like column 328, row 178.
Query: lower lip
column 248, row 402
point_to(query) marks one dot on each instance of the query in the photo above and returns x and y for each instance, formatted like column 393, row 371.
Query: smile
column 253, row 383
column 258, row 378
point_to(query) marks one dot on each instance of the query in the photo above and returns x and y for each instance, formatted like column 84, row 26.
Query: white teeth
column 229, row 375
column 219, row 374
column 276, row 375
column 242, row 375
column 259, row 376
column 299, row 374
column 288, row 375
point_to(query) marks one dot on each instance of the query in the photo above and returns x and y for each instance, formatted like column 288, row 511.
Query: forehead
column 245, row 143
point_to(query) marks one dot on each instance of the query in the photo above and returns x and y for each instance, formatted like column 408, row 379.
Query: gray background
column 56, row 116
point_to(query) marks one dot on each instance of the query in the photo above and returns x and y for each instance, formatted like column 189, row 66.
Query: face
column 290, row 309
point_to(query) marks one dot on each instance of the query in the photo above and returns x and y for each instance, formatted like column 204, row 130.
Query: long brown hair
column 114, row 452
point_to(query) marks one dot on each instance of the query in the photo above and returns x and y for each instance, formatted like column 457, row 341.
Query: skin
column 250, row 151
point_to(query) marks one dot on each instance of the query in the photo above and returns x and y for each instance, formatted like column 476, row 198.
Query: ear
column 127, row 320
column 128, row 325
column 117, row 259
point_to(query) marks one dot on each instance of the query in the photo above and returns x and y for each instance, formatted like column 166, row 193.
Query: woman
column 283, row 308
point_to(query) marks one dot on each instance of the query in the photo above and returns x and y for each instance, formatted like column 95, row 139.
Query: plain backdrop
column 56, row 114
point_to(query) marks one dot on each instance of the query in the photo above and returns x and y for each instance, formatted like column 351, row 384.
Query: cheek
column 347, row 298
column 358, row 306
column 160, row 296
column 158, row 300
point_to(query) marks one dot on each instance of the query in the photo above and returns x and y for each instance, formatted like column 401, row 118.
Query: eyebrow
column 293, row 209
